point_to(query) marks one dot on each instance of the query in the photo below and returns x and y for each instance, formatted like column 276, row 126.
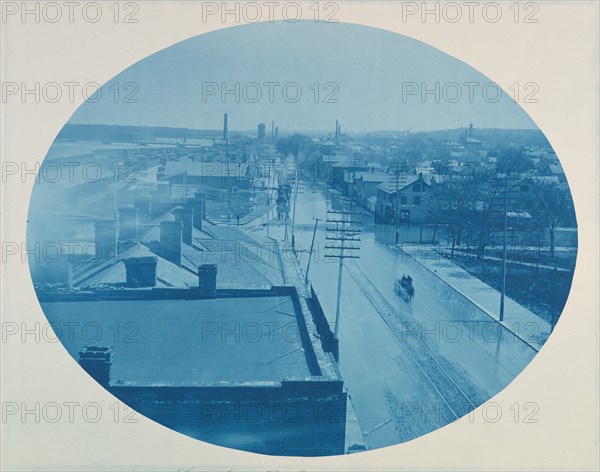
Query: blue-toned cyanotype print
column 303, row 239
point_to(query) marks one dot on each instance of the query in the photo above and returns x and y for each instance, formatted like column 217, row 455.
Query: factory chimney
column 225, row 126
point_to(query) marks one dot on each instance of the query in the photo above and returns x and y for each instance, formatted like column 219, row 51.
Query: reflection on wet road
column 410, row 367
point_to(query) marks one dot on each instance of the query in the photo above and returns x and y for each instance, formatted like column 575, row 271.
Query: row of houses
column 400, row 195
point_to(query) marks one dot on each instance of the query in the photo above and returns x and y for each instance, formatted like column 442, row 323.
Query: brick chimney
column 128, row 223
column 105, row 233
column 57, row 271
column 207, row 280
column 97, row 361
column 170, row 241
column 144, row 206
column 185, row 216
column 141, row 271
column 197, row 204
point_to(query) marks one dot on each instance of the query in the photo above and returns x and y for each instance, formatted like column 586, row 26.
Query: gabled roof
column 405, row 181
column 242, row 261
column 113, row 272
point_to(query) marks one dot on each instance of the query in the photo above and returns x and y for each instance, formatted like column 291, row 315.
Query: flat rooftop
column 188, row 342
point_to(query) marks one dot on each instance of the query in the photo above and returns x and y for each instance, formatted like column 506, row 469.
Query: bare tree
column 550, row 203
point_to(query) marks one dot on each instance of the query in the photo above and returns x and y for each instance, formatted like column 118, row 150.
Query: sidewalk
column 525, row 324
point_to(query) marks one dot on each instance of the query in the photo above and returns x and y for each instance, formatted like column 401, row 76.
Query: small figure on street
column 405, row 288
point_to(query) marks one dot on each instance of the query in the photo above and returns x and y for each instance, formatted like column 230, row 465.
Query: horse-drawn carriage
column 404, row 287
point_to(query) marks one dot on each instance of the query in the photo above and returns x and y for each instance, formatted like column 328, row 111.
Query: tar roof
column 188, row 342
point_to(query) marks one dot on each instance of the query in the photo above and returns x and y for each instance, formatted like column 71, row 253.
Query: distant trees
column 549, row 204
column 471, row 209
column 297, row 145
column 513, row 160
column 447, row 205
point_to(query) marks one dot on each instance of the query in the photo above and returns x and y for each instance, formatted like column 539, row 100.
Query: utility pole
column 297, row 182
column 503, row 294
column 397, row 203
column 342, row 234
column 422, row 206
column 227, row 180
column 504, row 205
column 312, row 244
column 353, row 177
column 115, row 215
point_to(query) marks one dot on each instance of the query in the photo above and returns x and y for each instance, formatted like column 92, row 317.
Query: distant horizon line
column 220, row 130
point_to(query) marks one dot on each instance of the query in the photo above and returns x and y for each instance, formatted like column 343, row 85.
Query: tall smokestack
column 337, row 132
column 276, row 130
column 273, row 129
column 225, row 126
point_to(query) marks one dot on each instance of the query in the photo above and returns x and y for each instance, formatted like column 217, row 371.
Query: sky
column 303, row 76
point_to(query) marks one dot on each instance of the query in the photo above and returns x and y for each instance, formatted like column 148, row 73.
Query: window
column 417, row 200
column 403, row 200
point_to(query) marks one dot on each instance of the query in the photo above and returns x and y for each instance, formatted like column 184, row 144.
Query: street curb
column 471, row 301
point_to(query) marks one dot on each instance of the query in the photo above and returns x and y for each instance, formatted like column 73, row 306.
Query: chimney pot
column 207, row 280
column 141, row 271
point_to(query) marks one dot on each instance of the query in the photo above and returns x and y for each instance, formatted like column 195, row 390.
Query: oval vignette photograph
column 303, row 239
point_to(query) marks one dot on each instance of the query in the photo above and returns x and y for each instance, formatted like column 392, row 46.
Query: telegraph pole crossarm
column 339, row 231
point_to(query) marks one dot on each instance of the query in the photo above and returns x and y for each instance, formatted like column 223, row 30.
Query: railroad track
column 456, row 400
